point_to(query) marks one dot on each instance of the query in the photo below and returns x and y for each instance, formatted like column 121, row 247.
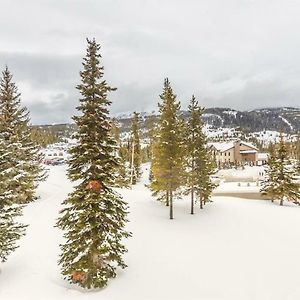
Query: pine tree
column 135, row 149
column 10, row 230
column 122, row 179
column 94, row 215
column 15, row 130
column 43, row 137
column 167, row 161
column 151, row 127
column 151, row 132
column 298, row 154
column 199, row 161
column 19, row 164
column 280, row 176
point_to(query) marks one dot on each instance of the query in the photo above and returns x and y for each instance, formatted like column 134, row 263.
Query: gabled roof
column 225, row 146
column 222, row 147
column 248, row 145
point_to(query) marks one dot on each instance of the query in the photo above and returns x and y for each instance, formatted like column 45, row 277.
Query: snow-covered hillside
column 233, row 249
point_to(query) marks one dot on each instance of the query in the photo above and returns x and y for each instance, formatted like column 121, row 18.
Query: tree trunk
column 192, row 200
column 132, row 167
column 201, row 202
column 167, row 198
column 281, row 201
column 171, row 205
column 192, row 190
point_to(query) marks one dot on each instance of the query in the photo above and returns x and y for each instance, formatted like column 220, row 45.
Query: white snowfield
column 234, row 249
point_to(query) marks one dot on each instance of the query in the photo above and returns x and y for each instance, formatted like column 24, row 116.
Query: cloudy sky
column 242, row 54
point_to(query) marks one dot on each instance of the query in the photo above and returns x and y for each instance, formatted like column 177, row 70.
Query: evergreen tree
column 298, row 154
column 94, row 215
column 280, row 176
column 168, row 151
column 151, row 132
column 122, row 178
column 151, row 127
column 199, row 161
column 15, row 130
column 43, row 137
column 135, row 149
column 10, row 229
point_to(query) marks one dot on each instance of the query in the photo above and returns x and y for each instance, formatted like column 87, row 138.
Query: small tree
column 94, row 216
column 135, row 149
column 123, row 172
column 280, row 176
column 168, row 150
column 199, row 161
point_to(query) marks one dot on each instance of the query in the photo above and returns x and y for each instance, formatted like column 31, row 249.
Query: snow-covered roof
column 262, row 156
column 225, row 146
column 248, row 145
column 222, row 146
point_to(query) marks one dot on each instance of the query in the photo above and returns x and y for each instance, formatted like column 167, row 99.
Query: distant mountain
column 286, row 119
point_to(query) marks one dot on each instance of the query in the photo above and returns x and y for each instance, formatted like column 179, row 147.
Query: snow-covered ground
column 248, row 174
column 234, row 249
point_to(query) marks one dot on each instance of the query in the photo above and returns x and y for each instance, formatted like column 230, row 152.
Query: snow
column 266, row 137
column 262, row 156
column 230, row 112
column 222, row 146
column 248, row 145
column 286, row 122
column 220, row 132
column 233, row 249
column 239, row 174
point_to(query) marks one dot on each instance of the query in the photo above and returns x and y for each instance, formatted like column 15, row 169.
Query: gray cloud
column 236, row 53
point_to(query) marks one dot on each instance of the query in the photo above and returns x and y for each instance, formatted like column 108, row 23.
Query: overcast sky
column 242, row 54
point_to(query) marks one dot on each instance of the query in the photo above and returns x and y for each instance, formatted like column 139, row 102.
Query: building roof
column 222, row 146
column 248, row 145
column 262, row 156
column 225, row 146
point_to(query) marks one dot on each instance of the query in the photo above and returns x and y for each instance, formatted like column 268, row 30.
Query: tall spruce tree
column 20, row 168
column 168, row 151
column 280, row 181
column 15, row 130
column 199, row 161
column 135, row 149
column 10, row 230
column 94, row 216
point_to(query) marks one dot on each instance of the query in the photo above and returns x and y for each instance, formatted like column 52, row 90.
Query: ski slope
column 233, row 249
